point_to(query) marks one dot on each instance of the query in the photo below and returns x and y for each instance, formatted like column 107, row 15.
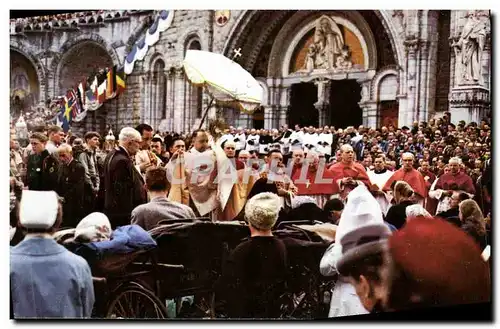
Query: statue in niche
column 328, row 51
column 469, row 48
column 329, row 43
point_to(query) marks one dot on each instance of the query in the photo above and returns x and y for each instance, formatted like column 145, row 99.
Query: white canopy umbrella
column 226, row 81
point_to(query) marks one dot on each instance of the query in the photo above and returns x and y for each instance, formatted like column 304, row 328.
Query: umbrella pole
column 206, row 113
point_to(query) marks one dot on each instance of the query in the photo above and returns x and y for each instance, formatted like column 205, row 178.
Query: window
column 159, row 90
column 196, row 92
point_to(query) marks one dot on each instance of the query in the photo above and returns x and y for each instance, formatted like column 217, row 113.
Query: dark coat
column 42, row 172
column 396, row 215
column 71, row 188
column 123, row 187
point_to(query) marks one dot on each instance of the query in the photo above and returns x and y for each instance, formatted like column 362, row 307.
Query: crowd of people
column 389, row 195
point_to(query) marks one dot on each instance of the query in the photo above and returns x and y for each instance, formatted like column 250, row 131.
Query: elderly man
column 159, row 208
column 347, row 173
column 412, row 176
column 198, row 169
column 455, row 180
column 298, row 157
column 123, row 183
column 314, row 181
column 47, row 280
column 255, row 273
column 71, row 186
column 229, row 147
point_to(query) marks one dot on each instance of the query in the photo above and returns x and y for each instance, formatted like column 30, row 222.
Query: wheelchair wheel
column 132, row 301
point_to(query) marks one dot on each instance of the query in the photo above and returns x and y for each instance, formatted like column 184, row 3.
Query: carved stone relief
column 328, row 50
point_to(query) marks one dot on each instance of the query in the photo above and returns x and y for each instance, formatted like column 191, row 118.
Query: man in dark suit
column 71, row 186
column 43, row 167
column 123, row 184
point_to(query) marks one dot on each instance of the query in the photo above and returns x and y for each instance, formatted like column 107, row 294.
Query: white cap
column 362, row 212
column 38, row 209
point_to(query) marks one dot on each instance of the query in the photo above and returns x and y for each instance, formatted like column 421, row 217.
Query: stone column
column 470, row 93
column 368, row 105
column 407, row 115
column 322, row 105
column 422, row 108
column 178, row 99
column 285, row 96
column 369, row 114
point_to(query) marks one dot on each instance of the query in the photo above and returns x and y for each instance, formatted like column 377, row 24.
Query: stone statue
column 343, row 60
column 328, row 41
column 469, row 48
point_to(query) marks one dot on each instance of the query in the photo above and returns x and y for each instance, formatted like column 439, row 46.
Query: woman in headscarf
column 473, row 222
column 403, row 197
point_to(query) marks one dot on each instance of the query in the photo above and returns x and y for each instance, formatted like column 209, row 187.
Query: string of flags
column 108, row 83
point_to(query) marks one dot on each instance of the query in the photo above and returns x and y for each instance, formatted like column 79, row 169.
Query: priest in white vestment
column 379, row 176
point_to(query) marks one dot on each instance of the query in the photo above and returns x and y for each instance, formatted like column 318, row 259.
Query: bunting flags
column 107, row 84
column 161, row 23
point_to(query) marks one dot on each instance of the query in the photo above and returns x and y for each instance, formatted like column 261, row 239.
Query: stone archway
column 25, row 83
column 78, row 63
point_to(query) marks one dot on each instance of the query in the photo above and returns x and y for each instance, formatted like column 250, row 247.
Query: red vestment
column 414, row 178
column 458, row 182
column 356, row 171
column 313, row 188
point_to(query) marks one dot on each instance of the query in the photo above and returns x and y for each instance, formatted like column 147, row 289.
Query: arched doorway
column 24, row 84
column 258, row 118
column 302, row 110
column 81, row 61
column 344, row 108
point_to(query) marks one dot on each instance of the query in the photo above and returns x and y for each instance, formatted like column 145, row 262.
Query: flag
column 101, row 92
column 64, row 117
column 120, row 80
column 80, row 93
column 111, row 83
column 72, row 104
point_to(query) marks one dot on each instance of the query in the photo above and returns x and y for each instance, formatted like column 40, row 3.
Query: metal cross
column 307, row 184
column 237, row 53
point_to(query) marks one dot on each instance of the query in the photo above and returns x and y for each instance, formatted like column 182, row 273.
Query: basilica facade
column 320, row 67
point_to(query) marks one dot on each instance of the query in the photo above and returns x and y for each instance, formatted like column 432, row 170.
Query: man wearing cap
column 47, row 280
column 254, row 275
column 410, row 175
column 359, row 238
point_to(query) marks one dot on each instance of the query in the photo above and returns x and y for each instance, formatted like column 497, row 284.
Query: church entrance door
column 302, row 110
column 344, row 108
